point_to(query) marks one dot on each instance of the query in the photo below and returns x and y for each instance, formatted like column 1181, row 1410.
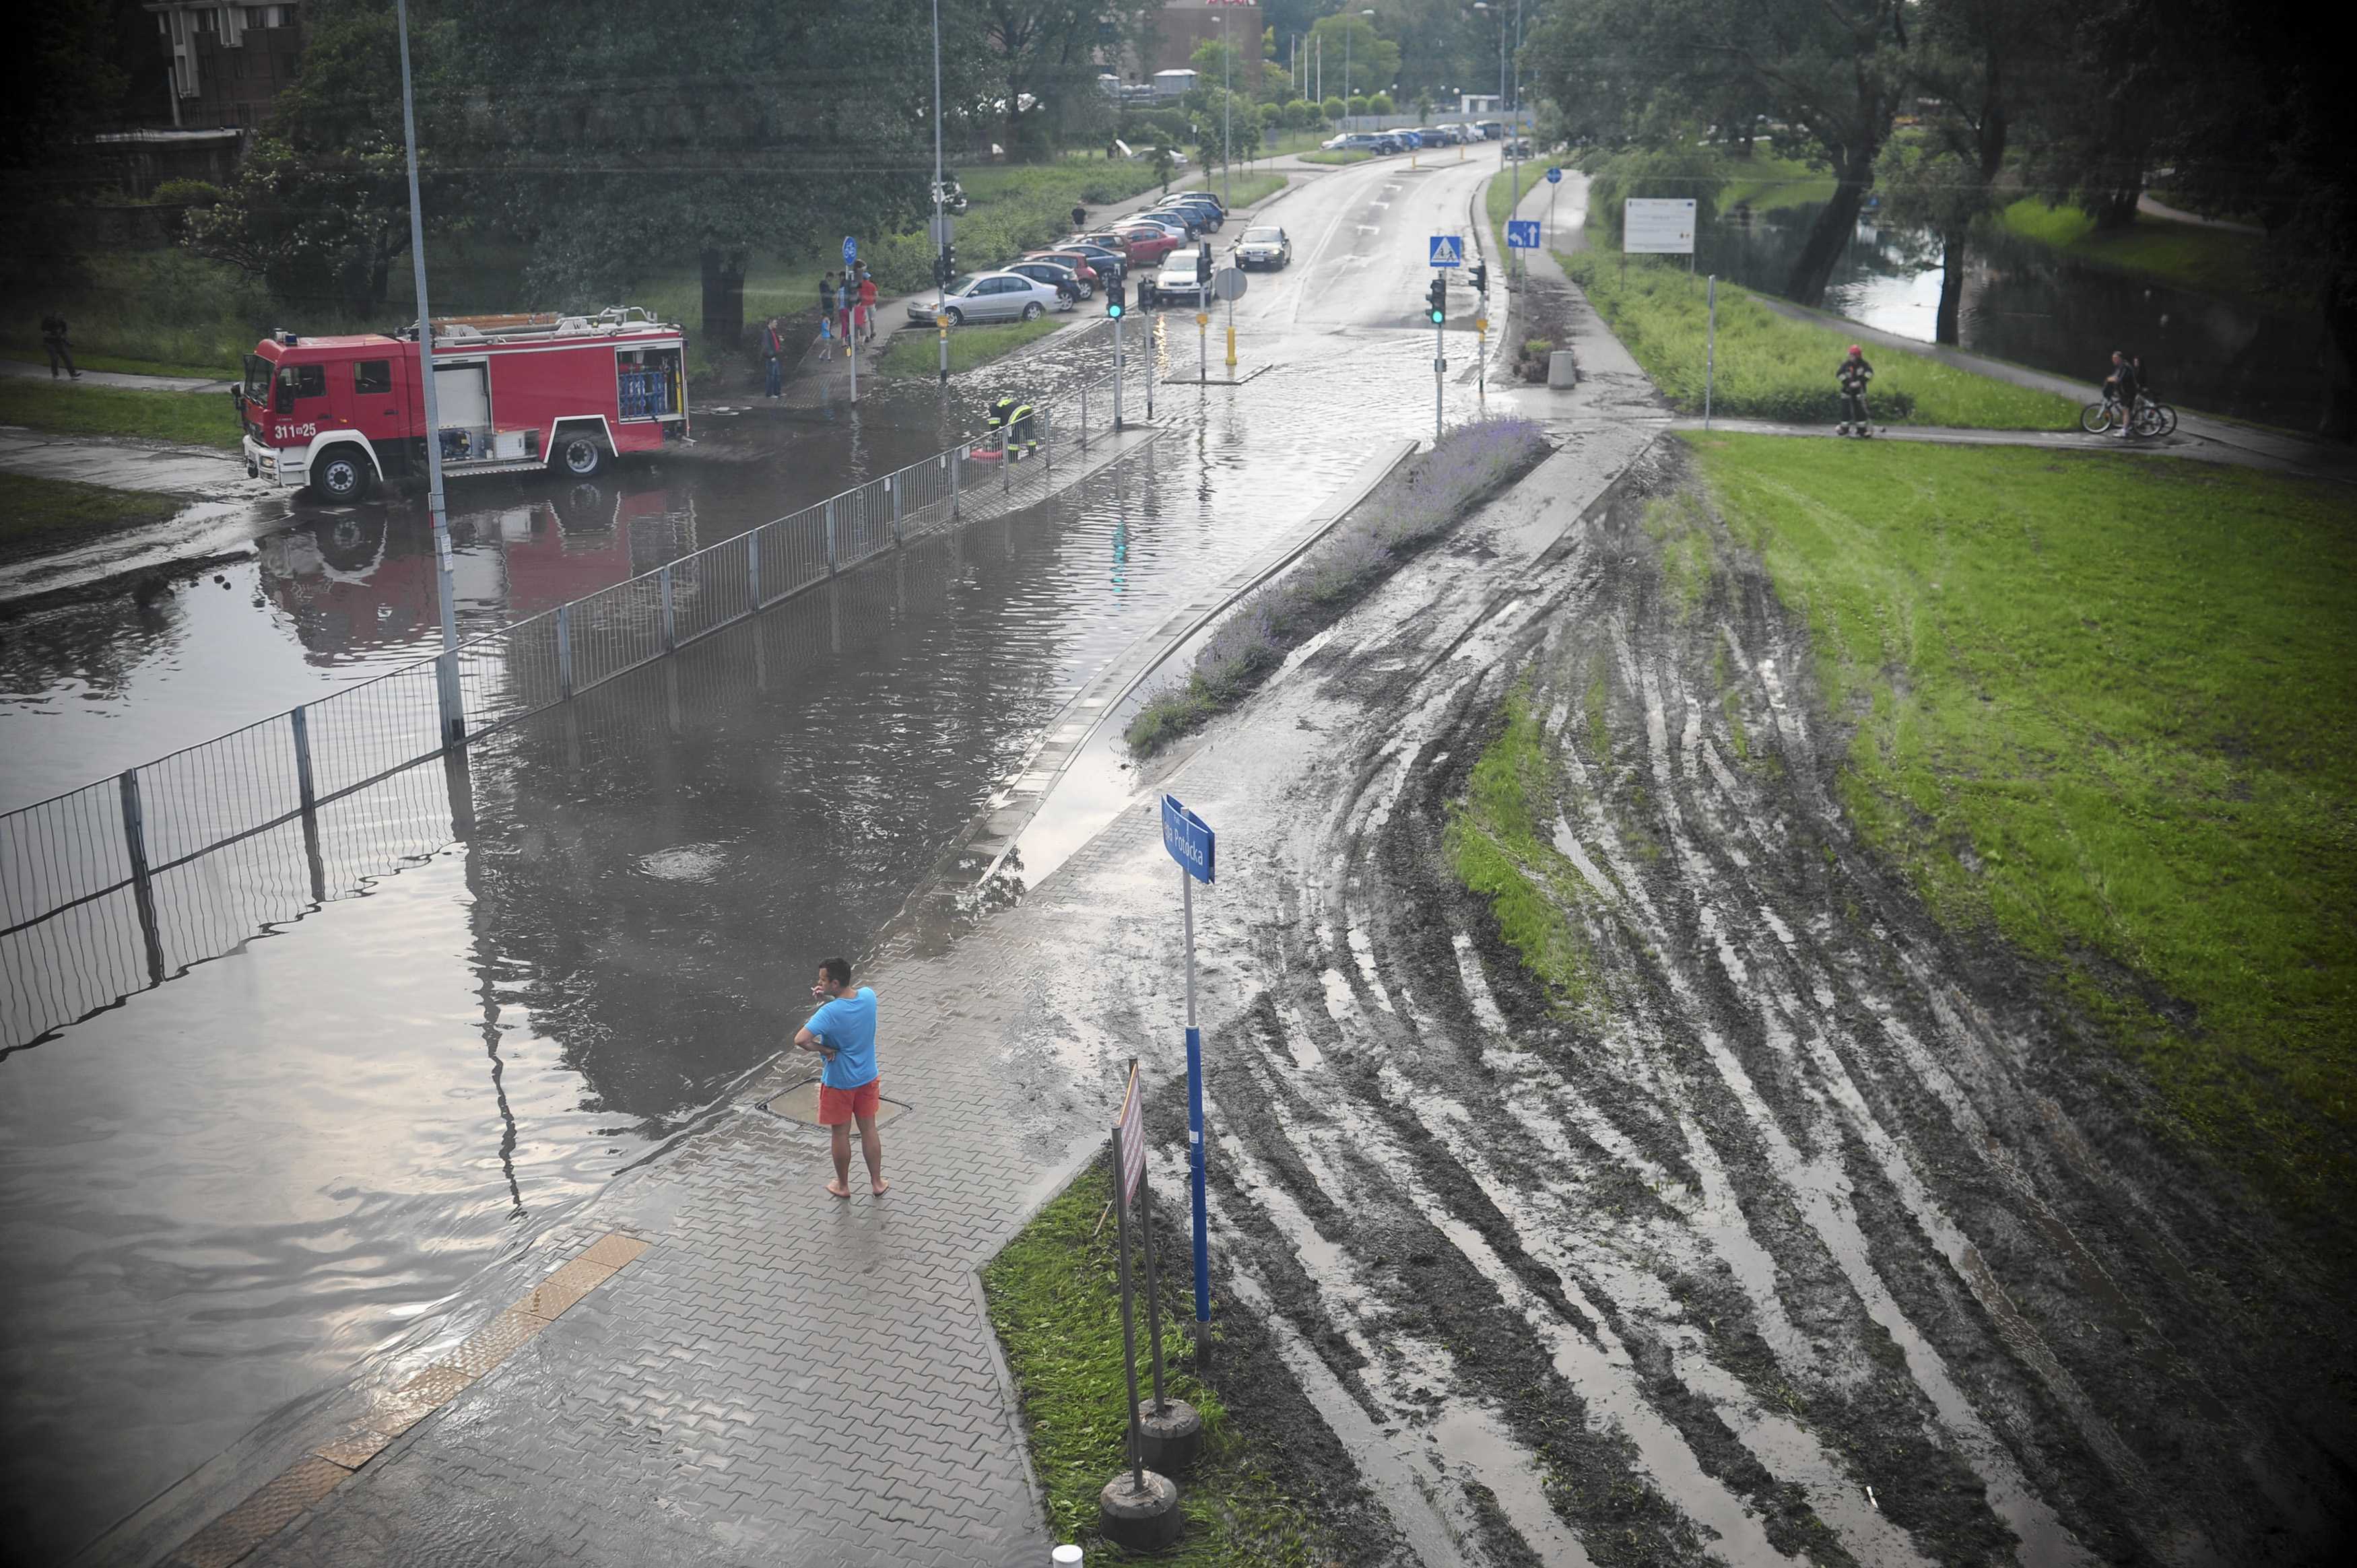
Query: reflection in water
column 2028, row 303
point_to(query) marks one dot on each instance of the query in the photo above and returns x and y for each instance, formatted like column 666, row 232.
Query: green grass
column 1492, row 841
column 2103, row 708
column 193, row 419
column 2211, row 261
column 1250, row 189
column 917, row 352
column 1055, row 1301
column 1339, row 155
column 1768, row 182
column 1769, row 367
column 48, row 512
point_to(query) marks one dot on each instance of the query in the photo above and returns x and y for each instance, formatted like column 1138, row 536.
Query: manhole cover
column 800, row 1103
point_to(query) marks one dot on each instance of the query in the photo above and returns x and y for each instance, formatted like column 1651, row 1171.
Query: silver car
column 988, row 297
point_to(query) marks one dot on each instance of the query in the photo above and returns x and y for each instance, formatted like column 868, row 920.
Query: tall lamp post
column 941, row 209
column 454, row 717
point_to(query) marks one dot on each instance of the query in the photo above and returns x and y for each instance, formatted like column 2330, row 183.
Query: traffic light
column 945, row 266
column 1117, row 299
column 1438, row 299
column 1481, row 279
column 1203, row 267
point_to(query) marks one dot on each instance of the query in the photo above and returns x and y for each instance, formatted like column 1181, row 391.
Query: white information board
column 1661, row 226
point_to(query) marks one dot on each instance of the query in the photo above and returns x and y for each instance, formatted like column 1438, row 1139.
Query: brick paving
column 783, row 1377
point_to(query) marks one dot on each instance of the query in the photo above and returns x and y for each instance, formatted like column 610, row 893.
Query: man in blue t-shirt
column 843, row 1033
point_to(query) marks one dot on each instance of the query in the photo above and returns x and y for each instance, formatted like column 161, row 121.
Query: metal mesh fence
column 113, row 887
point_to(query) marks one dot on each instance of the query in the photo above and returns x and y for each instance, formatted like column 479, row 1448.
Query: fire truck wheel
column 342, row 475
column 1032, row 312
column 579, row 454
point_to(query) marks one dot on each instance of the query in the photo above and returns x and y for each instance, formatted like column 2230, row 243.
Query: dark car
column 1205, row 217
column 1108, row 259
column 1268, row 247
column 1083, row 266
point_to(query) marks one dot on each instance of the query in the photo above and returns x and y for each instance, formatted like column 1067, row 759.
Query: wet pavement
column 560, row 954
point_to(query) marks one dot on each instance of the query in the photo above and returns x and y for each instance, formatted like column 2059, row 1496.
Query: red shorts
column 837, row 1106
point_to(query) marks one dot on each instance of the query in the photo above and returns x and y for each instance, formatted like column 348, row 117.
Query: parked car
column 988, row 297
column 1203, row 215
column 1267, row 248
column 1082, row 264
column 1052, row 274
column 1180, row 279
column 1490, row 130
column 1518, row 148
column 1411, row 138
column 1387, row 143
column 1110, row 263
column 1177, row 228
column 1183, row 219
column 1148, row 243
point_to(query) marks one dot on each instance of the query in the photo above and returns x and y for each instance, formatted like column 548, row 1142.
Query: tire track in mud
column 1778, row 1246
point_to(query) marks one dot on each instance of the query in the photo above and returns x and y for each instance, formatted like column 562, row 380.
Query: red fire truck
column 513, row 393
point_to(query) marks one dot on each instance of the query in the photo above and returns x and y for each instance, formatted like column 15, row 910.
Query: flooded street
column 534, row 965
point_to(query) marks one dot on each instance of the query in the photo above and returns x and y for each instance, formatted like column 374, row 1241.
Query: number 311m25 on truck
column 513, row 393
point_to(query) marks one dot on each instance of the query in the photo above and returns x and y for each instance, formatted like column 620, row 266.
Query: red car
column 1145, row 245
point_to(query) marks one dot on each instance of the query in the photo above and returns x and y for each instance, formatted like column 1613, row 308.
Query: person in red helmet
column 1854, row 374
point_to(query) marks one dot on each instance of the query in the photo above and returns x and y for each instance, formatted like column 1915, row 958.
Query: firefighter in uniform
column 1012, row 415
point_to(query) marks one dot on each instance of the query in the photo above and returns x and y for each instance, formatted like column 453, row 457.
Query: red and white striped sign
column 1130, row 1126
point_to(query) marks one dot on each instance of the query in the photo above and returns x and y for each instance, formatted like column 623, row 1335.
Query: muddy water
column 222, row 1192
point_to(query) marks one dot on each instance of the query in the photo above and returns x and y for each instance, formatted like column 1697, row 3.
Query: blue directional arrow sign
column 850, row 249
column 1555, row 177
column 1447, row 250
column 1522, row 233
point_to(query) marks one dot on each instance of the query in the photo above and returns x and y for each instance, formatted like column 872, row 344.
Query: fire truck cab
column 513, row 393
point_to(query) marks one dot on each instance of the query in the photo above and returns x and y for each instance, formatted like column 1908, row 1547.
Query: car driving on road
column 988, row 297
column 1267, row 248
column 1180, row 279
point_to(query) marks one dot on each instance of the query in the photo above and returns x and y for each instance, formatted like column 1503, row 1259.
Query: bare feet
column 880, row 1187
column 838, row 1190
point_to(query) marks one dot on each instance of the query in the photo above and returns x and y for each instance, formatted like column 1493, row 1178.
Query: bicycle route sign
column 850, row 249
column 1555, row 177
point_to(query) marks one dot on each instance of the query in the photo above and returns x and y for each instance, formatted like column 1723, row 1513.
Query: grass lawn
column 2104, row 707
column 30, row 353
column 193, row 419
column 1248, row 188
column 1055, row 1301
column 50, row 513
column 2213, row 261
column 1767, row 182
column 916, row 352
column 1339, row 155
column 1769, row 367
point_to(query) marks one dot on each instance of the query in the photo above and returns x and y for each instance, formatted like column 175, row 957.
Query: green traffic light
column 1438, row 317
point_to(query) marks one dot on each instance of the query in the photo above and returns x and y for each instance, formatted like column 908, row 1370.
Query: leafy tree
column 1299, row 114
column 1352, row 43
column 1358, row 103
column 1381, row 104
column 1423, row 107
column 1333, row 109
column 61, row 84
column 1241, row 135
column 1045, row 52
column 1213, row 58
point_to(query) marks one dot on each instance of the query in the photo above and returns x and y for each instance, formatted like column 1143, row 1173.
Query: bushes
column 1773, row 367
column 1404, row 512
column 1685, row 171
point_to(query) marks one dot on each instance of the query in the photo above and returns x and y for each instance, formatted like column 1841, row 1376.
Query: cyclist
column 2121, row 388
column 1855, row 372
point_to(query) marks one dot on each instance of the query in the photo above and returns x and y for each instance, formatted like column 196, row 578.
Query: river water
column 2030, row 304
column 222, row 1191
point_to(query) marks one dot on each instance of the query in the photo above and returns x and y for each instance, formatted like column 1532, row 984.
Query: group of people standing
column 846, row 315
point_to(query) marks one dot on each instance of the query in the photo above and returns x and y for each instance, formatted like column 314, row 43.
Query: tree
column 1333, row 109
column 1837, row 70
column 1358, row 103
column 1381, row 104
column 1046, row 54
column 1424, row 108
column 1352, row 43
column 1216, row 64
column 319, row 206
column 1239, row 134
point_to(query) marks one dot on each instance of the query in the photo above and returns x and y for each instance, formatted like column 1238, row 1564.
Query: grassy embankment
column 30, row 354
column 1769, row 367
column 2103, row 709
column 1055, row 1301
column 2211, row 261
column 1494, row 844
column 919, row 354
column 1250, row 189
column 1406, row 512
column 1765, row 182
column 191, row 419
column 44, row 514
column 1338, row 156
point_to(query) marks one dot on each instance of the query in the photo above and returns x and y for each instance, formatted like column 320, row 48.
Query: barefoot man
column 843, row 1032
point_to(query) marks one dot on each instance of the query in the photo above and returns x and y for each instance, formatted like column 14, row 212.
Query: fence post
column 134, row 843
column 753, row 568
column 1084, row 416
column 564, row 652
column 957, row 472
column 670, row 639
column 895, row 491
column 311, row 797
column 830, row 536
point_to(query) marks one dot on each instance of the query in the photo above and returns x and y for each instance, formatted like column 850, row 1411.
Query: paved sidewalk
column 2177, row 445
column 40, row 372
column 124, row 465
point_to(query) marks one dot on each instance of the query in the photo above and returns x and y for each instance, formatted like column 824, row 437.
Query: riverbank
column 2209, row 258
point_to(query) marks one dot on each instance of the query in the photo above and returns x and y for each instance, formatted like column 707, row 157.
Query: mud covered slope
column 1774, row 1225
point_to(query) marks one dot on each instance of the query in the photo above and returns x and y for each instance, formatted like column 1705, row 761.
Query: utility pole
column 454, row 714
column 940, row 207
column 1227, row 113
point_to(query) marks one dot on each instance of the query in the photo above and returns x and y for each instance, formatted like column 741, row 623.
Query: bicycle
column 2151, row 418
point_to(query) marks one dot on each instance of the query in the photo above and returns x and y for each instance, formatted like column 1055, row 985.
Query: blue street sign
column 1188, row 839
column 1555, row 177
column 1522, row 233
column 1447, row 250
column 850, row 249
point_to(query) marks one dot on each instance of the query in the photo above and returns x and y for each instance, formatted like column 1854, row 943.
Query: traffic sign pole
column 1440, row 375
column 1203, row 344
column 1191, row 842
column 1116, row 374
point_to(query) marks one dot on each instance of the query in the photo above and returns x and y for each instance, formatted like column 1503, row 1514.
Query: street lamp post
column 940, row 208
column 454, row 717
column 1227, row 115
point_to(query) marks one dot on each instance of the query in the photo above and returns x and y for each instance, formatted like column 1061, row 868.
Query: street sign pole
column 1128, row 1321
column 1117, row 373
column 1191, row 842
column 851, row 339
column 1203, row 345
column 1439, row 377
column 1710, row 352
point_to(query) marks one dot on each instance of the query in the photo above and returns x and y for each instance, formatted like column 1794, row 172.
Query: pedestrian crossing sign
column 1447, row 250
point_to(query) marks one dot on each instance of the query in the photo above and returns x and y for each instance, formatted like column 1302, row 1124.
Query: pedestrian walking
column 843, row 1034
column 1080, row 219
column 53, row 338
column 1854, row 374
column 773, row 349
column 827, row 297
column 866, row 304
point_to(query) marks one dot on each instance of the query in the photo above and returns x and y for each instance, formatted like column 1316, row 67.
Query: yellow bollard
column 1232, row 349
